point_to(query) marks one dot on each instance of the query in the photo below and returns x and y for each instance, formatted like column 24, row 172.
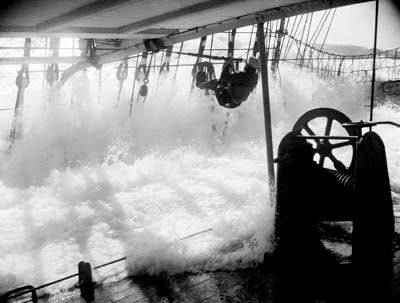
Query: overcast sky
column 355, row 25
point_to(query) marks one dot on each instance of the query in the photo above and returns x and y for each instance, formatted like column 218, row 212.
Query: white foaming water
column 88, row 182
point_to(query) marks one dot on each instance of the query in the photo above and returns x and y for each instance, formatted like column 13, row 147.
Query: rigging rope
column 211, row 47
column 121, row 74
column 327, row 31
column 22, row 82
column 99, row 88
column 44, row 83
column 179, row 58
column 291, row 42
column 302, row 35
column 308, row 34
column 249, row 46
column 133, row 87
column 143, row 90
column 320, row 26
column 199, row 56
column 52, row 73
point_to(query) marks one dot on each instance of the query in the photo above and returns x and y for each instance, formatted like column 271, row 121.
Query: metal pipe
column 371, row 112
column 266, row 105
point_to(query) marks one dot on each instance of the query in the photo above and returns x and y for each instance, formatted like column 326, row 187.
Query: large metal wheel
column 325, row 147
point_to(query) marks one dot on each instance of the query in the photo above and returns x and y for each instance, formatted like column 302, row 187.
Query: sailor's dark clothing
column 232, row 88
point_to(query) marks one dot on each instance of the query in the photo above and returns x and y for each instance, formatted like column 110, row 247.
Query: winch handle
column 362, row 124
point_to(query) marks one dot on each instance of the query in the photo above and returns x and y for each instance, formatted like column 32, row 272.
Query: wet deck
column 241, row 285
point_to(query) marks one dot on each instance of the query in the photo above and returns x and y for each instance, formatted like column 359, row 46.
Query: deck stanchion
column 266, row 105
column 371, row 111
column 85, row 281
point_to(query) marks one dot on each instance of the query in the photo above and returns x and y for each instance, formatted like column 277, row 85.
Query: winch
column 310, row 193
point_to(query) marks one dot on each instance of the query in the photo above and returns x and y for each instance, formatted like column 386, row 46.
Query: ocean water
column 89, row 182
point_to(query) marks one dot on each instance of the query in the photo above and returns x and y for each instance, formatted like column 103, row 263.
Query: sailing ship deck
column 254, row 284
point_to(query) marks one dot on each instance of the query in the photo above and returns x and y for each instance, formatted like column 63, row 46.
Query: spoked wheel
column 325, row 147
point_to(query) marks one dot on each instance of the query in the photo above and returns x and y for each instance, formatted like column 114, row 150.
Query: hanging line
column 285, row 32
column 249, row 46
column 295, row 33
column 44, row 83
column 268, row 31
column 133, row 87
column 161, row 67
column 255, row 46
column 277, row 49
column 231, row 48
column 290, row 42
column 211, row 47
column 166, row 60
column 179, row 59
column 274, row 34
column 99, row 87
column 232, row 68
column 308, row 34
column 52, row 73
column 327, row 31
column 302, row 36
column 341, row 66
column 140, row 72
column 143, row 90
column 326, row 35
column 22, row 82
column 121, row 74
column 320, row 26
column 199, row 56
column 164, row 65
column 155, row 60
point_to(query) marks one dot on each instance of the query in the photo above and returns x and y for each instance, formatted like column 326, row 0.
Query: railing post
column 267, row 107
column 85, row 281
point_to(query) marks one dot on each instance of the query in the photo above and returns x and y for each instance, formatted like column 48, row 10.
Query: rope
column 198, row 56
column 211, row 47
column 302, row 35
column 99, row 87
column 143, row 91
column 326, row 13
column 22, row 82
column 285, row 31
column 249, row 46
column 287, row 44
column 308, row 34
column 294, row 34
column 122, row 74
column 179, row 58
column 327, row 31
column 97, row 267
column 44, row 83
column 133, row 88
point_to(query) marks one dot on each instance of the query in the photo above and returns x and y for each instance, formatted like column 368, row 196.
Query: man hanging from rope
column 232, row 88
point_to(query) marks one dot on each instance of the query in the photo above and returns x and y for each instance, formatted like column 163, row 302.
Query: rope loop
column 140, row 72
column 165, row 65
column 205, row 67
